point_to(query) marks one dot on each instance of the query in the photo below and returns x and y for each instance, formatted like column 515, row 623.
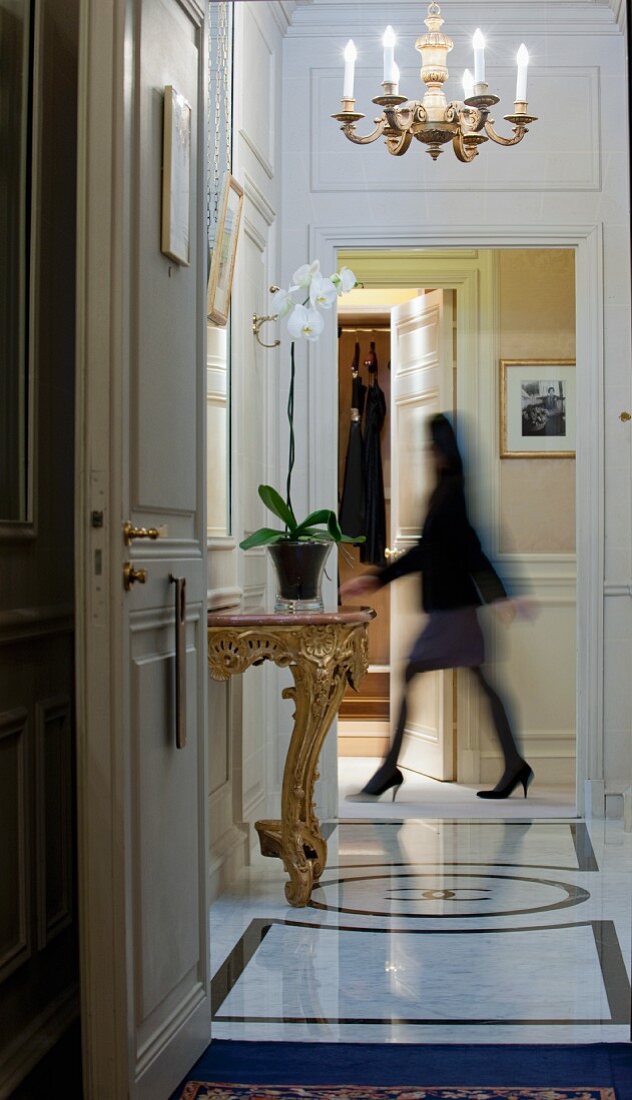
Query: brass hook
column 257, row 322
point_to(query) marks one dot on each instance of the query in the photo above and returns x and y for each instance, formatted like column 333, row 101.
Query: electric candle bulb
column 521, row 85
column 479, row 57
column 350, row 54
column 388, row 41
column 468, row 84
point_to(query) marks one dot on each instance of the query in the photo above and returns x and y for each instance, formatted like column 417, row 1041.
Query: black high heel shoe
column 524, row 775
column 393, row 783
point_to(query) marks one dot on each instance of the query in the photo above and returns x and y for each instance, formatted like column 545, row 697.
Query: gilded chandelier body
column 433, row 121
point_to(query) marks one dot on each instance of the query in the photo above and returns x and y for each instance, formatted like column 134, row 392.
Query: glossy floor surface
column 430, row 930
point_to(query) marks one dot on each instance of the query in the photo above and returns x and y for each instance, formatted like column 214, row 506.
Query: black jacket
column 455, row 571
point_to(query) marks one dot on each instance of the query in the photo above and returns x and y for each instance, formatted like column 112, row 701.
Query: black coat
column 455, row 571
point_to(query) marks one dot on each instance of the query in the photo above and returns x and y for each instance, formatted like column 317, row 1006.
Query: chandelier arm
column 465, row 153
column 348, row 129
column 397, row 146
column 519, row 133
column 402, row 117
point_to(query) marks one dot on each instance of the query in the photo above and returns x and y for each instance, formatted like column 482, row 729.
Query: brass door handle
column 181, row 658
column 132, row 576
column 392, row 552
column 130, row 532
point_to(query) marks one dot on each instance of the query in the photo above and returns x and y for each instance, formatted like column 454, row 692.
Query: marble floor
column 426, row 928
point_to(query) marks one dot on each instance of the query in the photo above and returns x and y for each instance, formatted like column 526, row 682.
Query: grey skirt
column 450, row 639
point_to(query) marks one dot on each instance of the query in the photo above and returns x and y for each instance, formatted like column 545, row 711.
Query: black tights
column 498, row 712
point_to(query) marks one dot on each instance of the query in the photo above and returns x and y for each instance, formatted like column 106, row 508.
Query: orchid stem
column 290, row 416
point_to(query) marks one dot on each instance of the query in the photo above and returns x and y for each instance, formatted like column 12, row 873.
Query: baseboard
column 362, row 746
column 227, row 857
column 36, row 1040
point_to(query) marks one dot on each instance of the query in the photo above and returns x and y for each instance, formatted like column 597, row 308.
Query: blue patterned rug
column 236, row 1070
column 197, row 1090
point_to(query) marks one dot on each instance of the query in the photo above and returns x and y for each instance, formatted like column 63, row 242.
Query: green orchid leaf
column 275, row 502
column 354, row 540
column 321, row 516
column 312, row 533
column 334, row 527
column 265, row 536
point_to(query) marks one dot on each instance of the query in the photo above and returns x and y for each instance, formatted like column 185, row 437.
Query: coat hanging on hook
column 352, row 500
column 372, row 551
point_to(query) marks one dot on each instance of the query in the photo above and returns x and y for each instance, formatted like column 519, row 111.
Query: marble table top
column 261, row 616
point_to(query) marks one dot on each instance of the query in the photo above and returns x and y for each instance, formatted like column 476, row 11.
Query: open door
column 141, row 632
column 422, row 360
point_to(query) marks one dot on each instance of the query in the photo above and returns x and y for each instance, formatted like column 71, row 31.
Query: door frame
column 586, row 241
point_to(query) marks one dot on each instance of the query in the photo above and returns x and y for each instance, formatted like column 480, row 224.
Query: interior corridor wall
column 568, row 177
column 243, row 741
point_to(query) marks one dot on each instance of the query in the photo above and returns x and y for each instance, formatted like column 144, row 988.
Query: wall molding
column 48, row 711
column 14, row 724
column 23, row 623
column 420, row 182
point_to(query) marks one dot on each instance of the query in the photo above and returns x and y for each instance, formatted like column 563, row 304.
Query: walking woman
column 457, row 578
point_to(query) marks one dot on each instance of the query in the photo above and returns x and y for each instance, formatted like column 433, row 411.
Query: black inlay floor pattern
column 613, row 972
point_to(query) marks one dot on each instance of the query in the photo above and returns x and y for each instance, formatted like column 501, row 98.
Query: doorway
column 512, row 314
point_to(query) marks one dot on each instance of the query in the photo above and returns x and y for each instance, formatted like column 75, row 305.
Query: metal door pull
column 181, row 657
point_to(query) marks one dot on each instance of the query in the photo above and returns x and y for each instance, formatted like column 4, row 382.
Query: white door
column 421, row 385
column 142, row 764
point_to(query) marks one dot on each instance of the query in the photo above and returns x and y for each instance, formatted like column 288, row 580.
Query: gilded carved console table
column 324, row 652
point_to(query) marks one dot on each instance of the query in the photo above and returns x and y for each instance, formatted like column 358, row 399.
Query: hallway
column 426, row 930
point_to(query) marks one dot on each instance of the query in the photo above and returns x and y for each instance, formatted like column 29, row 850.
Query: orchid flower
column 305, row 322
column 344, row 280
column 283, row 302
column 304, row 274
column 322, row 292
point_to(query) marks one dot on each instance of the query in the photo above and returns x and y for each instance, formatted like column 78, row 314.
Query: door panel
column 144, row 890
column 421, row 378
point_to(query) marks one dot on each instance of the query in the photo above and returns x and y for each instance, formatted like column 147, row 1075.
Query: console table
column 324, row 652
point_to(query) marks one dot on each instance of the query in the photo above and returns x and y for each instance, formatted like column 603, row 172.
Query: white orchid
column 304, row 274
column 344, row 280
column 282, row 302
column 305, row 322
column 322, row 292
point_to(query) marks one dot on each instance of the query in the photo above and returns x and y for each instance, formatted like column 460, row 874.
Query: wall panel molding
column 16, row 895
column 53, row 813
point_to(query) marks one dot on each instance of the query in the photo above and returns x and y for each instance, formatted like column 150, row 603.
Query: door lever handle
column 392, row 553
column 130, row 532
column 181, row 657
column 132, row 576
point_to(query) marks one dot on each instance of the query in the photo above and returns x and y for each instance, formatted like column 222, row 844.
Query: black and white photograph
column 543, row 408
column 537, row 408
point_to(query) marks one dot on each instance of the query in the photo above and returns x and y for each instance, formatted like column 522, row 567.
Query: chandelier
column 433, row 120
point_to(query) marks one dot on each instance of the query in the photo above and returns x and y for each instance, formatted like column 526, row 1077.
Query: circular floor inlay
column 444, row 893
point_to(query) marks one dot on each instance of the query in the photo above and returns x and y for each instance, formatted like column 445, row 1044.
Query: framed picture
column 222, row 264
column 176, row 176
column 537, row 408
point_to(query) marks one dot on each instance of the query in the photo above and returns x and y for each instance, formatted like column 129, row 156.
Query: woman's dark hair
column 444, row 439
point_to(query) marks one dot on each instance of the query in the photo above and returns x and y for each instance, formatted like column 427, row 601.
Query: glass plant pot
column 299, row 568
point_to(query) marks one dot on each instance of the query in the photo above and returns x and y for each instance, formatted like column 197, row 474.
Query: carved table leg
column 328, row 661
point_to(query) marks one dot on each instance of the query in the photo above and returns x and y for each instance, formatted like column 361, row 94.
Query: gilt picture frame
column 176, row 177
column 537, row 408
column 224, row 251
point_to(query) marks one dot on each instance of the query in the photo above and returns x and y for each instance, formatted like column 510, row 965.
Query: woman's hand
column 360, row 586
column 520, row 607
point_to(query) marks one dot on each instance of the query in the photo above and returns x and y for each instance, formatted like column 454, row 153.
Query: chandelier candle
column 350, row 55
column 521, row 86
column 479, row 57
column 432, row 120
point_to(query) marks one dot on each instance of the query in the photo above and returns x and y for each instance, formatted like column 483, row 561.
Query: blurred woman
column 457, row 579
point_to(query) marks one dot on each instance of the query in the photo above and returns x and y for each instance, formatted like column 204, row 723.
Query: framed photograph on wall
column 176, row 176
column 222, row 266
column 537, row 408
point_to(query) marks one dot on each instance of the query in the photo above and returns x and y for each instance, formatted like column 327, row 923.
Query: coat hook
column 257, row 322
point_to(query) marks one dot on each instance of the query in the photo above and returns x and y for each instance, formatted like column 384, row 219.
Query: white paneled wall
column 243, row 744
column 565, row 184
